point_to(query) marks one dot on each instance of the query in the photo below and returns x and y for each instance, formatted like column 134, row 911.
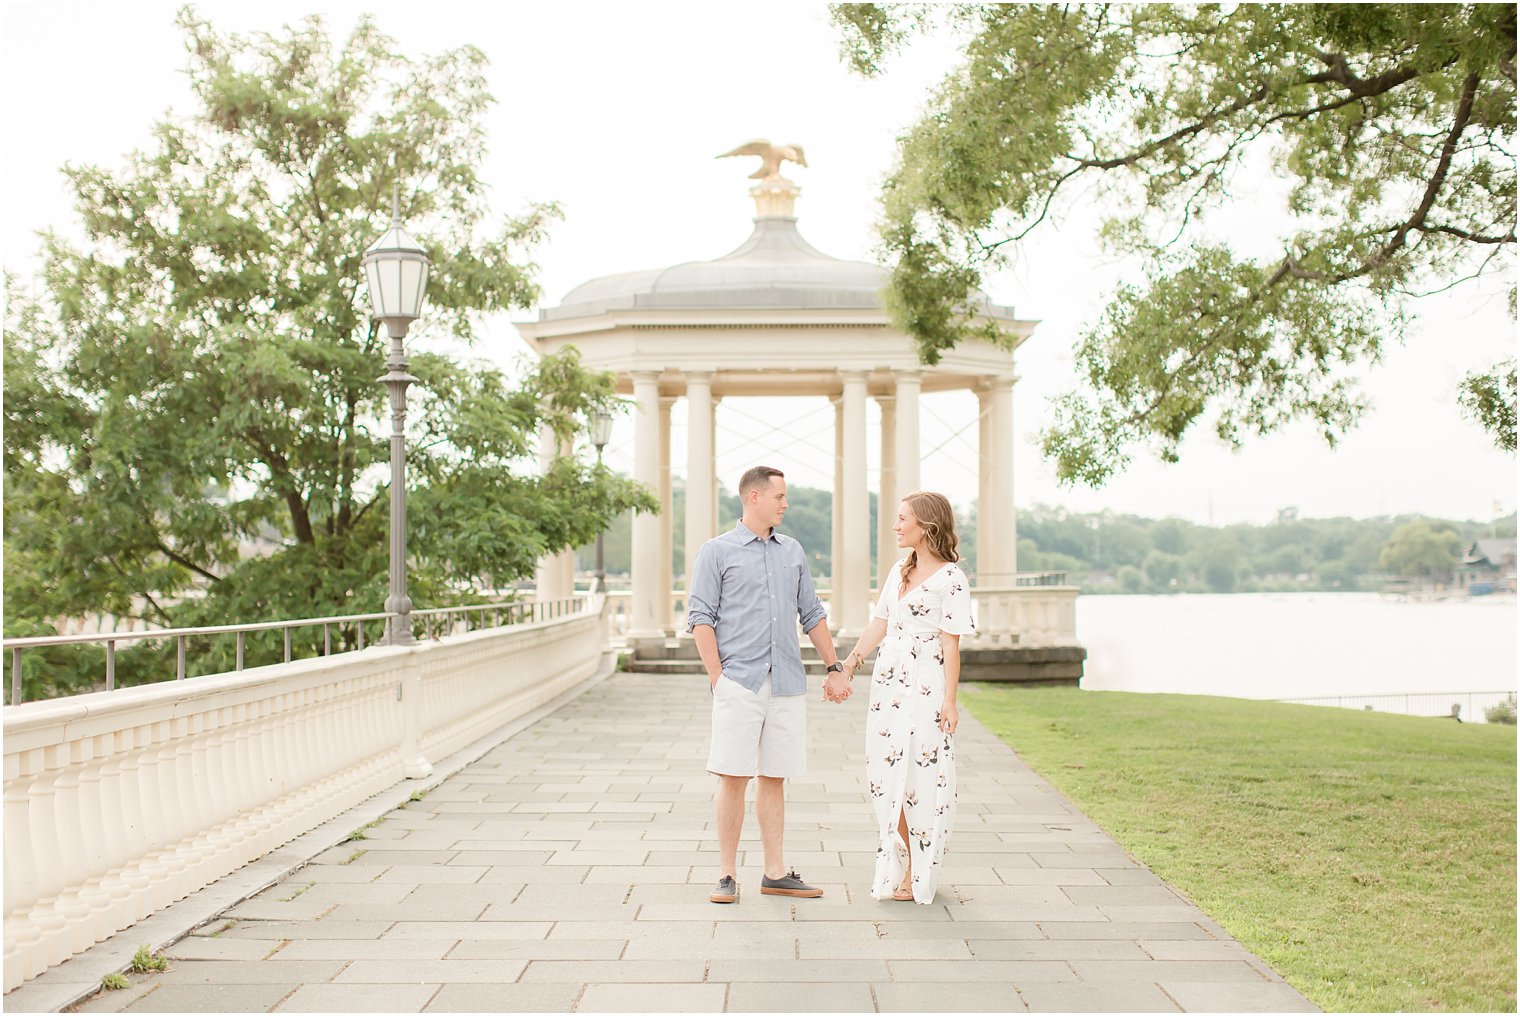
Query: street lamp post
column 601, row 431
column 396, row 269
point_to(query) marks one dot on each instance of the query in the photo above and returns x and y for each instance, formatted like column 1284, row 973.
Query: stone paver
column 948, row 996
column 505, row 998
column 368, row 998
column 762, row 997
column 567, row 871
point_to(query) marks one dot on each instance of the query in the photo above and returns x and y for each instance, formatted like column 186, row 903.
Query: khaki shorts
column 757, row 733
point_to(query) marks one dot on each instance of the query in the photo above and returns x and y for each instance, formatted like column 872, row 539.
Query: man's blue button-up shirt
column 749, row 588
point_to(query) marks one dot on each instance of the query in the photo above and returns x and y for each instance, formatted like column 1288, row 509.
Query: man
column 744, row 588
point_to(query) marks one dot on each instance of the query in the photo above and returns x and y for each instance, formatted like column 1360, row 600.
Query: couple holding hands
column 747, row 587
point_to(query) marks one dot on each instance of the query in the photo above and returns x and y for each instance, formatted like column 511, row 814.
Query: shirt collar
column 744, row 534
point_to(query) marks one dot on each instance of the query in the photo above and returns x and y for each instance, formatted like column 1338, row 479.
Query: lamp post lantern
column 396, row 269
column 601, row 431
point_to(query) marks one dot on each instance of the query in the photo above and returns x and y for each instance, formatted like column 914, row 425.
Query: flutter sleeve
column 955, row 605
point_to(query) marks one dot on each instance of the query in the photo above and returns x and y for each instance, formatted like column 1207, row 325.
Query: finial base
column 775, row 198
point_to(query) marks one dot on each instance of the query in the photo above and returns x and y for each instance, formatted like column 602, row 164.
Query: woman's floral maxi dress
column 910, row 762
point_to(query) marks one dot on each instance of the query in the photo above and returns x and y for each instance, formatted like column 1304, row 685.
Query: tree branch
column 185, row 562
column 279, row 468
column 1472, row 237
column 1289, row 267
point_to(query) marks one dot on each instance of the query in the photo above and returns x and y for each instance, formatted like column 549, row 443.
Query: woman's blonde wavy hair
column 933, row 512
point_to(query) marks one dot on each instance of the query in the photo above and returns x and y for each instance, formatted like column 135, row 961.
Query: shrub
column 1504, row 712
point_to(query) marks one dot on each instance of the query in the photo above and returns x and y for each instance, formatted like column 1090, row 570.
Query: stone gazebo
column 777, row 317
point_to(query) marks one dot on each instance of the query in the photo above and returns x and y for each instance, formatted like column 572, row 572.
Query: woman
column 925, row 608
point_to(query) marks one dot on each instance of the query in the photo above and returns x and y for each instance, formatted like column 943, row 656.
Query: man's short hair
column 757, row 478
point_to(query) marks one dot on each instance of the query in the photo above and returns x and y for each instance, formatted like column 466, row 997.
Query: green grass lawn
column 1370, row 859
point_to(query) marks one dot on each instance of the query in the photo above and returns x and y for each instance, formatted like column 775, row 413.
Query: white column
column 836, row 537
column 997, row 557
column 719, row 523
column 986, row 517
column 908, row 450
column 648, row 601
column 1002, row 477
column 667, row 520
column 555, row 575
column 856, row 573
column 699, row 465
column 886, row 496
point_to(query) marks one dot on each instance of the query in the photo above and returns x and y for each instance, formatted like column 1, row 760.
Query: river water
column 1397, row 655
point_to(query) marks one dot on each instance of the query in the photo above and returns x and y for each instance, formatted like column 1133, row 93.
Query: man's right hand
column 713, row 680
column 836, row 687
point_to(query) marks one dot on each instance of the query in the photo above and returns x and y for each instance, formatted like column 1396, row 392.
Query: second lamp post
column 601, row 432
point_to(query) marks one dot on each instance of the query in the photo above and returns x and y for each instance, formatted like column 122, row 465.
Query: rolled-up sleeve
column 706, row 593
column 809, row 608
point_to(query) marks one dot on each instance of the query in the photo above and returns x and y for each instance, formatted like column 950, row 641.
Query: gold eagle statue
column 771, row 157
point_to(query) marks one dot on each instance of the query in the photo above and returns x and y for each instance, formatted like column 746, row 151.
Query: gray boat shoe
column 790, row 884
column 726, row 892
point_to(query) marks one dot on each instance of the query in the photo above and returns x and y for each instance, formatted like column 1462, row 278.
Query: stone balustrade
column 119, row 803
column 1029, row 616
column 1024, row 615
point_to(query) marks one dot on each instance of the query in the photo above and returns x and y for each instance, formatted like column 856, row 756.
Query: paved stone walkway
column 568, row 870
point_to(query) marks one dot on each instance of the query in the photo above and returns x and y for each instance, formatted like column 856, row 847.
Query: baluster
column 239, row 793
column 95, row 835
column 356, row 738
column 150, row 831
column 296, row 765
column 48, row 862
column 271, row 766
column 172, row 814
column 321, row 731
column 130, row 845
column 192, row 789
column 223, row 806
column 68, row 837
column 240, row 780
column 22, row 878
column 256, row 752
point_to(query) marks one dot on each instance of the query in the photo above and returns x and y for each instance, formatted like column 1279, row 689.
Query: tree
column 202, row 371
column 1219, row 563
column 1392, row 123
column 1164, row 570
column 1422, row 548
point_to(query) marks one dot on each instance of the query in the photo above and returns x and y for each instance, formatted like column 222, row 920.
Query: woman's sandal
column 904, row 893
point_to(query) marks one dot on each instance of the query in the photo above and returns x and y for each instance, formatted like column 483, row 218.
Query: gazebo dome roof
column 774, row 268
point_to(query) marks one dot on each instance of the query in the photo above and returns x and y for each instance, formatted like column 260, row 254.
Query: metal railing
column 1001, row 580
column 433, row 624
column 1469, row 706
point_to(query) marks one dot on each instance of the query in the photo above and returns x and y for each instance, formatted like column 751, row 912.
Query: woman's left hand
column 949, row 718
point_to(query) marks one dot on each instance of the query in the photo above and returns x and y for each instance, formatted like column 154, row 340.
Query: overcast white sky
column 617, row 111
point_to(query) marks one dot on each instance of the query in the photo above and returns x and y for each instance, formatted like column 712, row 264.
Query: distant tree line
column 1105, row 552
